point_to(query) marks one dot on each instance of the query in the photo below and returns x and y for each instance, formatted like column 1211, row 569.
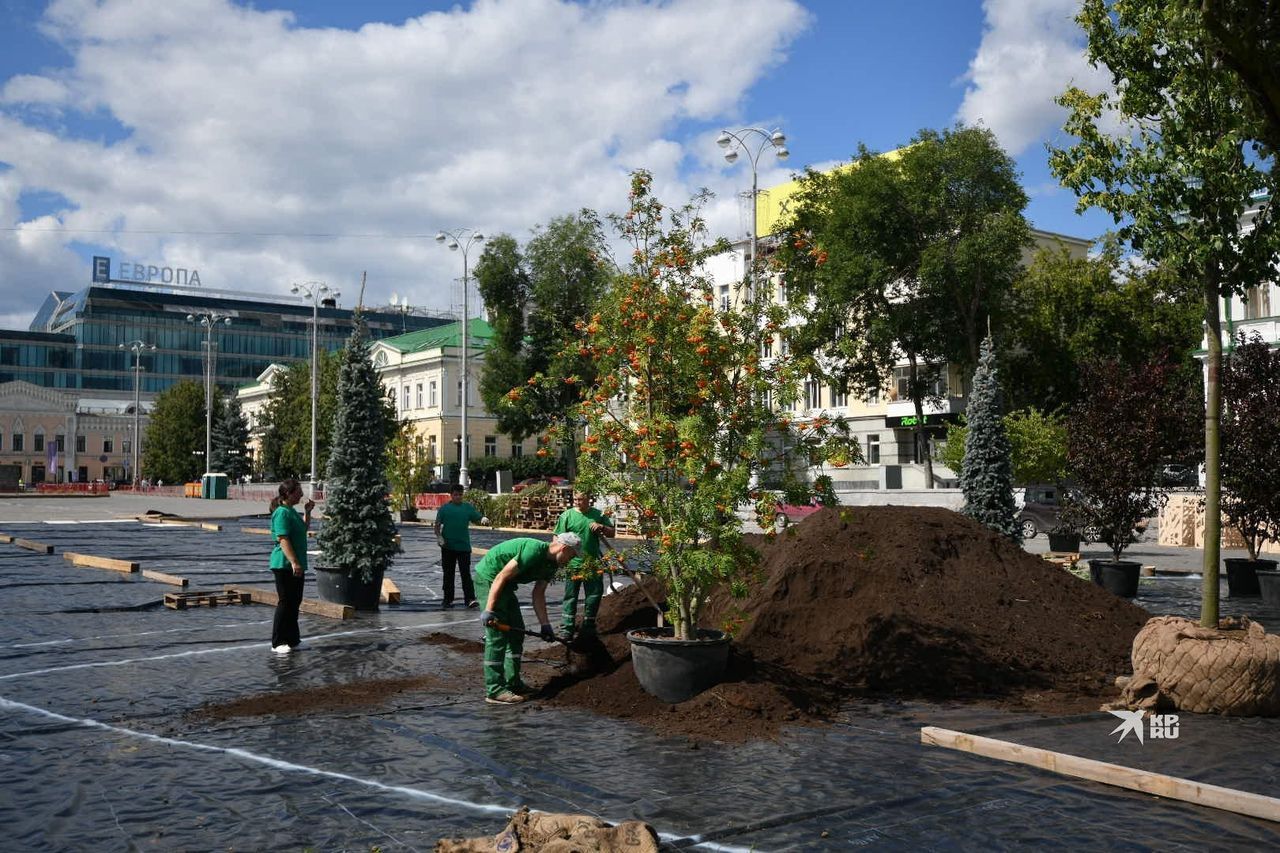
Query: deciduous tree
column 175, row 432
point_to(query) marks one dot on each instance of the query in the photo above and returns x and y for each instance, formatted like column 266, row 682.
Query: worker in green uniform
column 453, row 532
column 497, row 575
column 584, row 570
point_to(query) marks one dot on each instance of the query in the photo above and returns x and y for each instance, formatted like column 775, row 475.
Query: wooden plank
column 5, row 538
column 265, row 531
column 209, row 525
column 94, row 562
column 390, row 592
column 163, row 578
column 258, row 595
column 1158, row 784
column 38, row 547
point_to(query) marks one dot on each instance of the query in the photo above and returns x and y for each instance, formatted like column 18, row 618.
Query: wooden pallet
column 1064, row 559
column 183, row 600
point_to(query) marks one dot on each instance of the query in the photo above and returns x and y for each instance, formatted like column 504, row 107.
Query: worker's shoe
column 506, row 697
column 524, row 690
column 281, row 649
column 473, row 605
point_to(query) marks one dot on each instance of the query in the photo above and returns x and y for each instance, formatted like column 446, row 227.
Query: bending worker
column 497, row 575
column 584, row 570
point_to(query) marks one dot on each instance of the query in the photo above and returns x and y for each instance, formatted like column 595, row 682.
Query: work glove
column 440, row 542
column 486, row 616
column 485, row 521
column 548, row 635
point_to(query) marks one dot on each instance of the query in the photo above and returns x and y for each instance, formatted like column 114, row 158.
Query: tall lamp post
column 208, row 319
column 137, row 348
column 753, row 141
column 314, row 291
column 464, row 239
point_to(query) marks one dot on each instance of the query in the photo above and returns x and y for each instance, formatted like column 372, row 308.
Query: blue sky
column 283, row 141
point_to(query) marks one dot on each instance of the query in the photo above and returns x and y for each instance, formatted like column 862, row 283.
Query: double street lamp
column 137, row 348
column 316, row 291
column 209, row 319
column 753, row 141
column 464, row 239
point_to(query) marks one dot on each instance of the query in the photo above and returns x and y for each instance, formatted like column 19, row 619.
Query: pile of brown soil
column 329, row 697
column 911, row 602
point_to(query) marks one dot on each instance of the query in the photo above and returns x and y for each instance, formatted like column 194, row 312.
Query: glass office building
column 74, row 340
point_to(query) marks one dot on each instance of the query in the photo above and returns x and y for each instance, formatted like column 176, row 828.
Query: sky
column 280, row 141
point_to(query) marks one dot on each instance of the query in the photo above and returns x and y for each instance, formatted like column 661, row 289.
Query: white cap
column 569, row 540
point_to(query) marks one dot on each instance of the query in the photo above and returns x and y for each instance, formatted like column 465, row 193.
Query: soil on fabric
column 904, row 602
column 313, row 700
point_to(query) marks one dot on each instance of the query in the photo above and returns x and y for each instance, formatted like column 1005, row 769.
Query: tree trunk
column 1212, row 447
column 917, row 431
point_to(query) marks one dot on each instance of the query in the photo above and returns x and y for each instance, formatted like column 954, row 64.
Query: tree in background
column 540, row 300
column 231, row 440
column 286, row 419
column 885, row 255
column 358, row 535
column 409, row 467
column 1246, row 34
column 1067, row 310
column 175, row 432
column 1251, row 442
column 1037, row 442
column 1178, row 176
column 986, row 476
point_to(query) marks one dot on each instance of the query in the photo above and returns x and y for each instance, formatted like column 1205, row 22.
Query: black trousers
column 462, row 560
column 284, row 628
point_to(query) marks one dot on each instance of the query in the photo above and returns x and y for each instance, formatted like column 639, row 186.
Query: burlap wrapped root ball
column 1232, row 670
column 543, row 832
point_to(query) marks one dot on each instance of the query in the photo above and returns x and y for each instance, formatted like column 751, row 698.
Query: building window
column 766, row 399
column 405, row 407
column 126, row 446
column 724, row 297
column 812, row 394
column 1257, row 302
column 766, row 348
column 839, row 399
column 873, row 449
column 1, row 440
column 80, row 444
column 936, row 387
column 18, row 440
column 490, row 445
column 38, row 443
column 873, row 397
column 108, row 445
column 459, row 403
column 517, row 450
column 431, row 447
column 431, row 394
column 418, row 395
column 62, row 443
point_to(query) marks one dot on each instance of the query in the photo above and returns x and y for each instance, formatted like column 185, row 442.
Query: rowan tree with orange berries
column 679, row 417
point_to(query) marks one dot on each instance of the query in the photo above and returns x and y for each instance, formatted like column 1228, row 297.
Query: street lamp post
column 742, row 140
column 463, row 238
column 137, row 348
column 208, row 319
column 314, row 291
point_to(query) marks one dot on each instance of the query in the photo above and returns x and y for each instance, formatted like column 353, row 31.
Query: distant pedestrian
column 500, row 571
column 288, row 563
column 590, row 524
column 453, row 533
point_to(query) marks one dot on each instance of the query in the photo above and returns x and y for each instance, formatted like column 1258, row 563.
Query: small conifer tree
column 986, row 477
column 230, row 440
column 358, row 534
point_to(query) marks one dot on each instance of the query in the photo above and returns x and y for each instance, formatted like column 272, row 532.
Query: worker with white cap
column 497, row 575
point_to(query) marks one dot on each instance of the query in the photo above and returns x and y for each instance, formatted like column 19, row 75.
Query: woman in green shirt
column 288, row 563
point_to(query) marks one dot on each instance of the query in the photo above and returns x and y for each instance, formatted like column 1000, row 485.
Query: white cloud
column 237, row 125
column 1031, row 51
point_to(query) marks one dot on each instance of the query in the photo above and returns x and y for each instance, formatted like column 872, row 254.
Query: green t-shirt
column 285, row 521
column 573, row 521
column 533, row 559
column 455, row 524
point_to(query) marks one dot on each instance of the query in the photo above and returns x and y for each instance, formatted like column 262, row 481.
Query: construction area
column 141, row 707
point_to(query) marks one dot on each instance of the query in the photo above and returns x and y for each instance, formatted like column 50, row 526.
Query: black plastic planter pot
column 675, row 670
column 1064, row 542
column 1242, row 575
column 1269, row 584
column 1118, row 578
column 336, row 586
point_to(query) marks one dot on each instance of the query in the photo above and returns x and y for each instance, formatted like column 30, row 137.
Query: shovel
column 508, row 629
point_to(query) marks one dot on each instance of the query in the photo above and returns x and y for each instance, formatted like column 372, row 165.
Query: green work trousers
column 502, row 649
column 593, row 587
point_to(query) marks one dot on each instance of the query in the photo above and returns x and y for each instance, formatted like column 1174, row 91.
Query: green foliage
column 231, row 440
column 824, row 488
column 986, row 475
column 358, row 532
column 175, row 432
column 1251, row 442
column 908, row 256
column 677, row 426
column 1037, row 441
column 521, row 467
column 409, row 466
column 286, row 443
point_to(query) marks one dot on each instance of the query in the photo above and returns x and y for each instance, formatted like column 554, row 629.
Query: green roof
column 439, row 337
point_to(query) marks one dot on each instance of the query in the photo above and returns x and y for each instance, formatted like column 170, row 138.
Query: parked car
column 1041, row 512
column 789, row 514
column 537, row 481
